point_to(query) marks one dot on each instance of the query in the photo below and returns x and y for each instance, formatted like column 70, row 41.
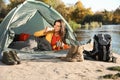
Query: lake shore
column 55, row 69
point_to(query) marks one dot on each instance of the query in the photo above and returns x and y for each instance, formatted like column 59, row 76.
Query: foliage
column 53, row 3
column 14, row 3
column 116, row 68
column 93, row 18
column 80, row 12
column 116, row 16
column 62, row 10
column 74, row 25
column 77, row 12
column 112, row 76
column 108, row 16
column 3, row 10
column 91, row 25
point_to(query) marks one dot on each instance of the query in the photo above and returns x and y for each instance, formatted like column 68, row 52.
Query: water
column 114, row 30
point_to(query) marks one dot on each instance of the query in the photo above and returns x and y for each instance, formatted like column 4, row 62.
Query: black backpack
column 101, row 48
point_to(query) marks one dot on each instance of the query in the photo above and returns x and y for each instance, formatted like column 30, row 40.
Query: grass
column 111, row 76
column 115, row 68
column 92, row 25
column 74, row 25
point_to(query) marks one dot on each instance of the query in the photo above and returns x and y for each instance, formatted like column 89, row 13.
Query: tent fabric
column 29, row 17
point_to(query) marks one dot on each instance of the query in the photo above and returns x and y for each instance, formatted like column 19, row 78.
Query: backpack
column 101, row 48
column 10, row 58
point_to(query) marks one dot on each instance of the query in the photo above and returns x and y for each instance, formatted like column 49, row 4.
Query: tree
column 93, row 18
column 53, row 3
column 62, row 10
column 14, row 3
column 69, row 10
column 3, row 8
column 79, row 5
column 87, row 19
column 108, row 16
column 80, row 12
column 116, row 16
column 98, row 17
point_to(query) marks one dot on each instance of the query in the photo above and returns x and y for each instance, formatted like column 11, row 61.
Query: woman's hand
column 47, row 29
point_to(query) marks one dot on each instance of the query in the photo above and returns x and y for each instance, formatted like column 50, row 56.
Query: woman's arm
column 40, row 33
column 43, row 32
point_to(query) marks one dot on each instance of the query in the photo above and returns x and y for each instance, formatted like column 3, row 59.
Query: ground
column 55, row 69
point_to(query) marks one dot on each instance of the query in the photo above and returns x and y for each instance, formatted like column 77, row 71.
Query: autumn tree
column 93, row 18
column 108, row 16
column 69, row 11
column 53, row 3
column 80, row 12
column 14, row 3
column 116, row 16
column 3, row 8
column 62, row 10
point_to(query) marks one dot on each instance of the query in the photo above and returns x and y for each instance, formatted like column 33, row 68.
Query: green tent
column 29, row 17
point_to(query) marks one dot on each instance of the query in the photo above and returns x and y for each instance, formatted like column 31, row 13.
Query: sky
column 97, row 5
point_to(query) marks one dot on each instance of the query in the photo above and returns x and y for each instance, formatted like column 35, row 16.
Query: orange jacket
column 48, row 35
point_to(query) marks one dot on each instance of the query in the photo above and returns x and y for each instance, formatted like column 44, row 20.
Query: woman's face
column 57, row 27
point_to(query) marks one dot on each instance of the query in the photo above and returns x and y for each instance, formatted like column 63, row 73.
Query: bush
column 111, row 76
column 116, row 68
column 1, row 20
column 74, row 25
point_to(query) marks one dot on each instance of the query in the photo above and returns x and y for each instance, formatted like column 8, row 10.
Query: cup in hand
column 49, row 29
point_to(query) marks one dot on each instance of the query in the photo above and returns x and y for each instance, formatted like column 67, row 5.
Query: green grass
column 111, row 76
column 74, row 25
column 115, row 68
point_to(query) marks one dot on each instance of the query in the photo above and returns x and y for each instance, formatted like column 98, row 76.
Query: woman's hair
column 62, row 29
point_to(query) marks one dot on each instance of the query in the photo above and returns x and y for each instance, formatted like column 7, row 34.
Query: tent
column 29, row 17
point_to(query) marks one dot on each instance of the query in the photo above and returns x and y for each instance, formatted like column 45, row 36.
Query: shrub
column 116, row 68
column 74, row 25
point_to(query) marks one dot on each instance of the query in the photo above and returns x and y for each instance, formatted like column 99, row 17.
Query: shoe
column 15, row 57
column 7, row 59
column 114, row 59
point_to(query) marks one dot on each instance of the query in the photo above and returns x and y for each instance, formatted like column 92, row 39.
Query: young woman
column 55, row 36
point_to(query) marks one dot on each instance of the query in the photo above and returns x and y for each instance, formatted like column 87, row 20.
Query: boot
column 15, row 57
column 7, row 59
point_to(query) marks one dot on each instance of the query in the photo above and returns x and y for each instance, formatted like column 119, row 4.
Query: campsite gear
column 101, row 48
column 75, row 54
column 29, row 17
column 30, row 44
column 114, row 59
column 43, row 44
column 18, row 45
column 58, row 45
column 49, row 29
column 23, row 37
column 13, row 53
column 8, row 59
